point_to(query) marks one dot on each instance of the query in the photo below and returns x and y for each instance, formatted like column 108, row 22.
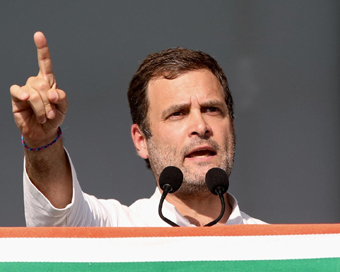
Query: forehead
column 201, row 84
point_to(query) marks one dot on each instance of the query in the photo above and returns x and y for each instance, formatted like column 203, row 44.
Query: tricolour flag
column 227, row 248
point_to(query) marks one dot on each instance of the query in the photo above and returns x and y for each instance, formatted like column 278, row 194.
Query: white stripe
column 169, row 248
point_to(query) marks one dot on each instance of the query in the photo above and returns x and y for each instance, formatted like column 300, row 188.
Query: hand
column 39, row 107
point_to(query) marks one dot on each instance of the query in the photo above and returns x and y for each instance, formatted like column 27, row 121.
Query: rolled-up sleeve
column 84, row 209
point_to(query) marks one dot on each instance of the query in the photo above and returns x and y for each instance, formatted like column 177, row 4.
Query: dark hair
column 169, row 64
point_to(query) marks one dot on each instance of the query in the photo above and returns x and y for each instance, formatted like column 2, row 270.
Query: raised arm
column 39, row 108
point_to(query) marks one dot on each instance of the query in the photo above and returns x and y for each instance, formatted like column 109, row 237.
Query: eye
column 176, row 115
column 212, row 109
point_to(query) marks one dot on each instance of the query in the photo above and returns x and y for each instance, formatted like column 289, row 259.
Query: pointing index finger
column 44, row 58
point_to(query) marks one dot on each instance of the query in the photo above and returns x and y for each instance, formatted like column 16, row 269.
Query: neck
column 201, row 210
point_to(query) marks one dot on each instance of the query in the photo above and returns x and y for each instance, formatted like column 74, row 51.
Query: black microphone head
column 216, row 177
column 172, row 176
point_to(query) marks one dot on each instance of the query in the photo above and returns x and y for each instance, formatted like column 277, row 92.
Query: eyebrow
column 174, row 108
column 214, row 103
column 185, row 106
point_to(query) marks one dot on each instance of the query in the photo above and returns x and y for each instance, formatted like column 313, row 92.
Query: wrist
column 41, row 147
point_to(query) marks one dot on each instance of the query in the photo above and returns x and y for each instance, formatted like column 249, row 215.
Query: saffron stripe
column 234, row 230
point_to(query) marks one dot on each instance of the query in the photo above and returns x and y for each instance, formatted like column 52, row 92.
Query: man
column 182, row 113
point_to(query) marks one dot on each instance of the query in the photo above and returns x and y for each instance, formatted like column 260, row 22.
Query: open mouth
column 201, row 154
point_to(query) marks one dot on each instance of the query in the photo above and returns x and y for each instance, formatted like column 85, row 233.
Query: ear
column 139, row 141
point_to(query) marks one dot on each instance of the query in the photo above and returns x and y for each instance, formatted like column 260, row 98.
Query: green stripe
column 329, row 264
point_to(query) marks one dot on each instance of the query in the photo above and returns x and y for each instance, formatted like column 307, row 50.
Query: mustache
column 198, row 142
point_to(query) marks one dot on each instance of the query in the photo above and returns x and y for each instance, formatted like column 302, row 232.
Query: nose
column 198, row 126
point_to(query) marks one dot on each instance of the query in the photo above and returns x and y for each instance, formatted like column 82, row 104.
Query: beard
column 162, row 155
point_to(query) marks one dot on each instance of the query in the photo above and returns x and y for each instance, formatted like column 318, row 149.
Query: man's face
column 190, row 127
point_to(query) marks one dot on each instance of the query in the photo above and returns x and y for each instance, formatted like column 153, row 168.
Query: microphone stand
column 167, row 188
column 220, row 191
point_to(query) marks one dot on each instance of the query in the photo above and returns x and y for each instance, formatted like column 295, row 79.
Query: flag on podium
column 228, row 248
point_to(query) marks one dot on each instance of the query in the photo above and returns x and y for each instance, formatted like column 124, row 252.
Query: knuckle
column 35, row 97
column 31, row 79
column 42, row 85
column 38, row 83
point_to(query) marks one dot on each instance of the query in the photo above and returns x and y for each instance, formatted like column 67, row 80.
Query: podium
column 306, row 247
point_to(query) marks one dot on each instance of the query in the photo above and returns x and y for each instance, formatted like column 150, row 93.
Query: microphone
column 170, row 180
column 218, row 183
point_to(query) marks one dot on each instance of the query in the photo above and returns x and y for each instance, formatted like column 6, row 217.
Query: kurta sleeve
column 84, row 209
